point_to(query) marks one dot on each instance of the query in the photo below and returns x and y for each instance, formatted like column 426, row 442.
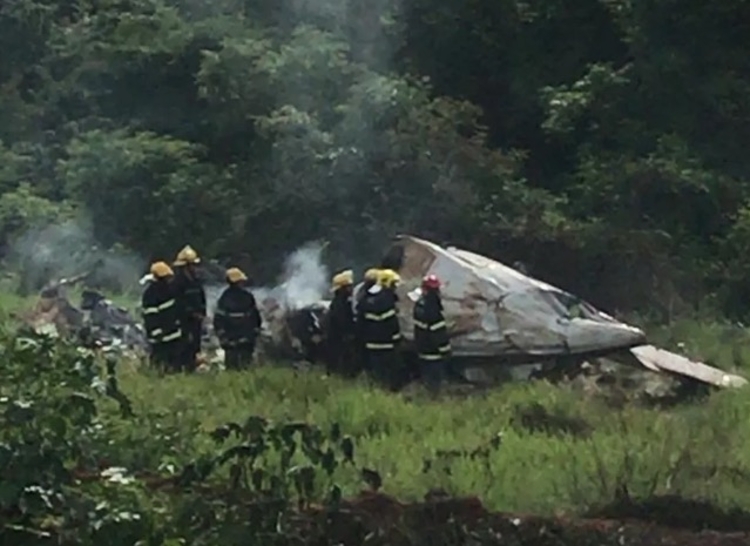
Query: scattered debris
column 504, row 325
column 661, row 360
column 500, row 319
column 97, row 322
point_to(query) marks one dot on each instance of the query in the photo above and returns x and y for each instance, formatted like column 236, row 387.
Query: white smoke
column 70, row 248
column 304, row 281
column 213, row 291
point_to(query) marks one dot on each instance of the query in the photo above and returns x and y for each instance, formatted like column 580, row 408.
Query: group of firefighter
column 364, row 328
column 174, row 309
column 361, row 327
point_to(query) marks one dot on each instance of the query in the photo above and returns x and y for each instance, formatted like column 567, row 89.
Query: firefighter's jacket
column 161, row 312
column 360, row 294
column 237, row 320
column 431, row 338
column 191, row 294
column 380, row 328
column 340, row 317
column 358, row 309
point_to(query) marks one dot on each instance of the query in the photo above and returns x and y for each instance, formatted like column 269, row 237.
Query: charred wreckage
column 499, row 320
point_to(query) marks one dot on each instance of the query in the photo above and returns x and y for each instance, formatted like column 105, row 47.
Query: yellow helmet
column 235, row 274
column 372, row 274
column 187, row 256
column 388, row 278
column 345, row 278
column 161, row 270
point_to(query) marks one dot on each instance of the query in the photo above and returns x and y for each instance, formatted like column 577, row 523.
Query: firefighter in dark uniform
column 161, row 318
column 431, row 338
column 370, row 280
column 237, row 321
column 192, row 298
column 340, row 334
column 381, row 329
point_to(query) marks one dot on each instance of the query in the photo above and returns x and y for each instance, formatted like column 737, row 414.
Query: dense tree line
column 602, row 142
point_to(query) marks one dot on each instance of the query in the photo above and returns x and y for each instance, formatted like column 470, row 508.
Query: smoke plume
column 58, row 251
column 304, row 281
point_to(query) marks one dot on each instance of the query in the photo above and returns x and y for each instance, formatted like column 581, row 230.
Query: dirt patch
column 676, row 512
column 447, row 521
column 377, row 519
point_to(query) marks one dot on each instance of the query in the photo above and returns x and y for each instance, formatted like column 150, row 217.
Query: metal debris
column 501, row 320
column 502, row 323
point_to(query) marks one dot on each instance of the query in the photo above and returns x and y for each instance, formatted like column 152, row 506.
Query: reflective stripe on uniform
column 433, row 327
column 430, row 356
column 383, row 316
column 397, row 336
column 223, row 313
column 445, row 348
column 171, row 337
column 379, row 346
column 158, row 308
column 233, row 342
column 155, row 337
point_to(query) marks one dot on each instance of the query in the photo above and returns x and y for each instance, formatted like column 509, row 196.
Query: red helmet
column 431, row 282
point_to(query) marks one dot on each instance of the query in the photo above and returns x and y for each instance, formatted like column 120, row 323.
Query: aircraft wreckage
column 498, row 316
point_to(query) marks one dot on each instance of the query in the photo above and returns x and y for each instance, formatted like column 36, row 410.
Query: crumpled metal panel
column 494, row 310
column 661, row 360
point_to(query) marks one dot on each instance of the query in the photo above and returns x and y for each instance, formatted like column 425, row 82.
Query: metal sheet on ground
column 663, row 360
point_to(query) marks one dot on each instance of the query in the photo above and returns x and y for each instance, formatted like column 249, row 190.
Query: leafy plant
column 266, row 459
column 51, row 438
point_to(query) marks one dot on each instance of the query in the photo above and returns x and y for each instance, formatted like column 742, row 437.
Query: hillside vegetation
column 601, row 142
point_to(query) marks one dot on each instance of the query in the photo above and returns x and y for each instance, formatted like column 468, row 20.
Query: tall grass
column 700, row 450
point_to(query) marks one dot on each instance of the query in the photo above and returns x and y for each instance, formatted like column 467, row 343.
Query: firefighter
column 237, row 321
column 161, row 318
column 431, row 333
column 370, row 279
column 381, row 330
column 192, row 298
column 340, row 333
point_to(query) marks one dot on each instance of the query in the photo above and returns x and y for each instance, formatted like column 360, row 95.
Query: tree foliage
column 601, row 142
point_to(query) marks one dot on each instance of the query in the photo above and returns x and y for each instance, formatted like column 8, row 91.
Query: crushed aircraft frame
column 498, row 316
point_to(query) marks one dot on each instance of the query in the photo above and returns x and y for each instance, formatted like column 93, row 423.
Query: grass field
column 588, row 452
column 560, row 451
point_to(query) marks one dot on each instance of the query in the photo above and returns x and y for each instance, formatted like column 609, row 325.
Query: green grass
column 700, row 450
column 697, row 451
